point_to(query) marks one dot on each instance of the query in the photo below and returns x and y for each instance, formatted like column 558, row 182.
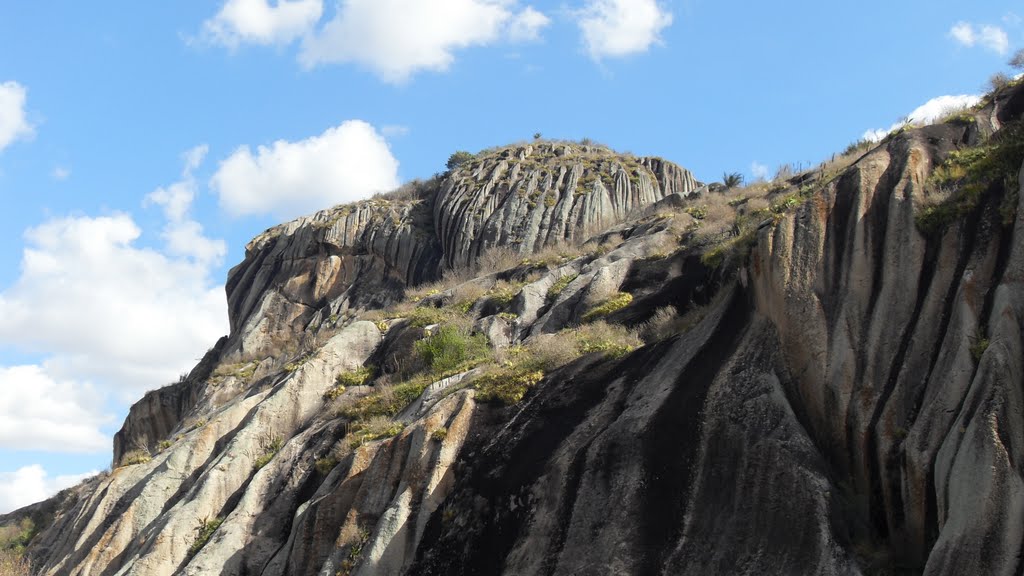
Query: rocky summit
column 558, row 359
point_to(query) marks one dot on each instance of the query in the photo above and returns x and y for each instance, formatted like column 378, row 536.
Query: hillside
column 558, row 359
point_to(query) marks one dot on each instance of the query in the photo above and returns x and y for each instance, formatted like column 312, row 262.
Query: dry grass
column 491, row 261
column 757, row 204
column 555, row 254
column 661, row 325
column 14, row 564
column 719, row 215
column 497, row 259
column 611, row 339
column 373, row 428
column 465, row 295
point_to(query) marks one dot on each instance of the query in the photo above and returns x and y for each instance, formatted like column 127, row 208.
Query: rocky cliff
column 829, row 383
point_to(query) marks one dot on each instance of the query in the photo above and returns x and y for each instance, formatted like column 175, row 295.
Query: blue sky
column 142, row 144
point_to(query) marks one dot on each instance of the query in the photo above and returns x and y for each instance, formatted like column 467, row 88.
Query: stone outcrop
column 845, row 399
column 537, row 195
column 314, row 270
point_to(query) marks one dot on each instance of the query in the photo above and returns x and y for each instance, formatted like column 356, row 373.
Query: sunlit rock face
column 845, row 399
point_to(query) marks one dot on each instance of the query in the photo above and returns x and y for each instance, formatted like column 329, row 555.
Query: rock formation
column 841, row 393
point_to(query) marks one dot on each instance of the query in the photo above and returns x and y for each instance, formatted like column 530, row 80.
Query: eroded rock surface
column 847, row 399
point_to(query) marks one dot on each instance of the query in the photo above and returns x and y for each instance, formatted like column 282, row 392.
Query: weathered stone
column 849, row 401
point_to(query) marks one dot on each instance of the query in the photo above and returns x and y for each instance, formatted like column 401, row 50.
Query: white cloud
column 107, row 310
column 14, row 124
column 394, row 130
column 31, row 484
column 963, row 33
column 42, row 413
column 345, row 163
column 940, row 106
column 760, row 171
column 184, row 236
column 928, row 113
column 260, row 22
column 526, row 26
column 876, row 134
column 614, row 28
column 397, row 38
column 992, row 38
column 60, row 173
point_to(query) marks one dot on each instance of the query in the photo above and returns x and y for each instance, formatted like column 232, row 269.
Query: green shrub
column 16, row 538
column 449, row 350
column 439, row 434
column 458, row 159
column 617, row 302
column 326, row 464
column 204, row 531
column 979, row 345
column 969, row 172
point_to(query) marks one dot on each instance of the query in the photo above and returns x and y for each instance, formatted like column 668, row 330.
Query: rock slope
column 842, row 394
column 311, row 270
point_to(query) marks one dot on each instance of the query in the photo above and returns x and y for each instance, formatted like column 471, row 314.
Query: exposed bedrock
column 847, row 398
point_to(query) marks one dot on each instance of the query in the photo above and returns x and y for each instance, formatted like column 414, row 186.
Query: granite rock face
column 845, row 399
column 300, row 275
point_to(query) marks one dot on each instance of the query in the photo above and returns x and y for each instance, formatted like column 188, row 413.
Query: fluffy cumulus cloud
column 262, row 22
column 31, row 484
column 527, row 25
column 158, row 312
column 159, row 309
column 615, row 28
column 113, row 317
column 14, row 124
column 928, row 113
column 345, row 163
column 989, row 37
column 42, row 413
column 397, row 38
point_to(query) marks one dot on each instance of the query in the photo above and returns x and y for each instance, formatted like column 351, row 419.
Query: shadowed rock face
column 829, row 411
